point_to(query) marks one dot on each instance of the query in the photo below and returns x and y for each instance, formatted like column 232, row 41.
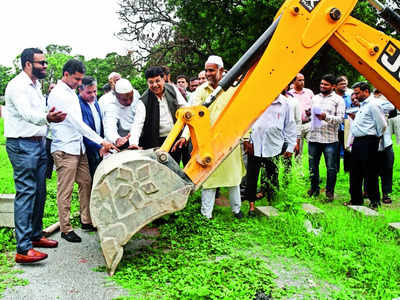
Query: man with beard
column 230, row 172
column 25, row 120
column 327, row 114
column 161, row 101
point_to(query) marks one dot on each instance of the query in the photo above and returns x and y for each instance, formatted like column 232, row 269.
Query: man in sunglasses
column 25, row 127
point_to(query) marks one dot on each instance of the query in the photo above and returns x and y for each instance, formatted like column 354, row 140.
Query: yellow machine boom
column 133, row 188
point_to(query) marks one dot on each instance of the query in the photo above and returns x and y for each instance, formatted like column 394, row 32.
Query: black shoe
column 238, row 215
column 88, row 227
column 374, row 205
column 312, row 192
column 252, row 213
column 71, row 237
column 329, row 196
column 386, row 199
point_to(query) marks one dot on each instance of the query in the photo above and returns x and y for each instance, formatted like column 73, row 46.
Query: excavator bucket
column 131, row 189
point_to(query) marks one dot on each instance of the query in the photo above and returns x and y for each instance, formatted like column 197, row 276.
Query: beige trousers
column 72, row 168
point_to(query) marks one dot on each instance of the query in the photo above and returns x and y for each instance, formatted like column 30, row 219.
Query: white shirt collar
column 29, row 80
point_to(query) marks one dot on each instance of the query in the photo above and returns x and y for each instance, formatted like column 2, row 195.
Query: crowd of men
column 76, row 130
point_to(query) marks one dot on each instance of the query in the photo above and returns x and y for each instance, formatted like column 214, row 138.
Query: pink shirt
column 304, row 97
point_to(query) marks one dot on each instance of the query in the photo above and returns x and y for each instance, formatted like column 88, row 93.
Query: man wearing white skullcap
column 230, row 172
column 121, row 113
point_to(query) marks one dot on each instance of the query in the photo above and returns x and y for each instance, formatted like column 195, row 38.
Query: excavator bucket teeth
column 130, row 190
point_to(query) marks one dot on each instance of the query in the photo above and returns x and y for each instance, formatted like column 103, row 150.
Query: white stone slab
column 268, row 211
column 311, row 209
column 7, row 210
column 397, row 227
column 309, row 228
column 364, row 210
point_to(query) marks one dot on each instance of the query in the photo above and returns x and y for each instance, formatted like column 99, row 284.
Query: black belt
column 305, row 122
column 31, row 138
column 366, row 137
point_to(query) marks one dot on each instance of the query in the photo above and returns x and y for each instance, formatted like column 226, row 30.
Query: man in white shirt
column 120, row 114
column 268, row 135
column 108, row 97
column 161, row 101
column 69, row 151
column 25, row 127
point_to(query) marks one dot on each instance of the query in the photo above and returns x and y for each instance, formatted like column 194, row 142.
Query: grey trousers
column 208, row 200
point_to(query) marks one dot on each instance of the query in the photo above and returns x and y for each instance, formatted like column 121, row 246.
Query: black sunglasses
column 41, row 62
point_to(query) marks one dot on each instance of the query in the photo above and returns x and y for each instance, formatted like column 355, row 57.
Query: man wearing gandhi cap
column 230, row 172
column 121, row 113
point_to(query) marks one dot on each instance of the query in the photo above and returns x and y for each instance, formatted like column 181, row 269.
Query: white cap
column 123, row 86
column 216, row 60
column 112, row 74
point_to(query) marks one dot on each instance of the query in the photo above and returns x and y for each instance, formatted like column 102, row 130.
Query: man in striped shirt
column 327, row 113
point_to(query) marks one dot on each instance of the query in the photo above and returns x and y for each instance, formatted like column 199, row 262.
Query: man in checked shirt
column 327, row 114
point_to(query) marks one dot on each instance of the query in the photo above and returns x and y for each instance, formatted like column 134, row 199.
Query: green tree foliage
column 6, row 75
column 223, row 27
column 99, row 68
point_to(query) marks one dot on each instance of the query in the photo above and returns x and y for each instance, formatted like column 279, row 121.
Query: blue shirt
column 370, row 120
column 347, row 103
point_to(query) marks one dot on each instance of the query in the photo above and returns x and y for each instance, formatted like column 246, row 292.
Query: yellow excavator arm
column 133, row 188
column 303, row 28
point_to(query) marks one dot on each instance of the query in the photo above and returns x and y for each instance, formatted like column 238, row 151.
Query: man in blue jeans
column 327, row 113
column 25, row 127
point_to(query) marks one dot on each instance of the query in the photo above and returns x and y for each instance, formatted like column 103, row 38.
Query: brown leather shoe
column 45, row 243
column 31, row 256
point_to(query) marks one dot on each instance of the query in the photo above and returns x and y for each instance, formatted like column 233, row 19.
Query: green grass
column 354, row 255
column 357, row 257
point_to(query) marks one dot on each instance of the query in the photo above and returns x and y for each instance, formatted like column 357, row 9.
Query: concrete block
column 395, row 226
column 311, row 209
column 268, row 211
column 364, row 210
column 7, row 210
